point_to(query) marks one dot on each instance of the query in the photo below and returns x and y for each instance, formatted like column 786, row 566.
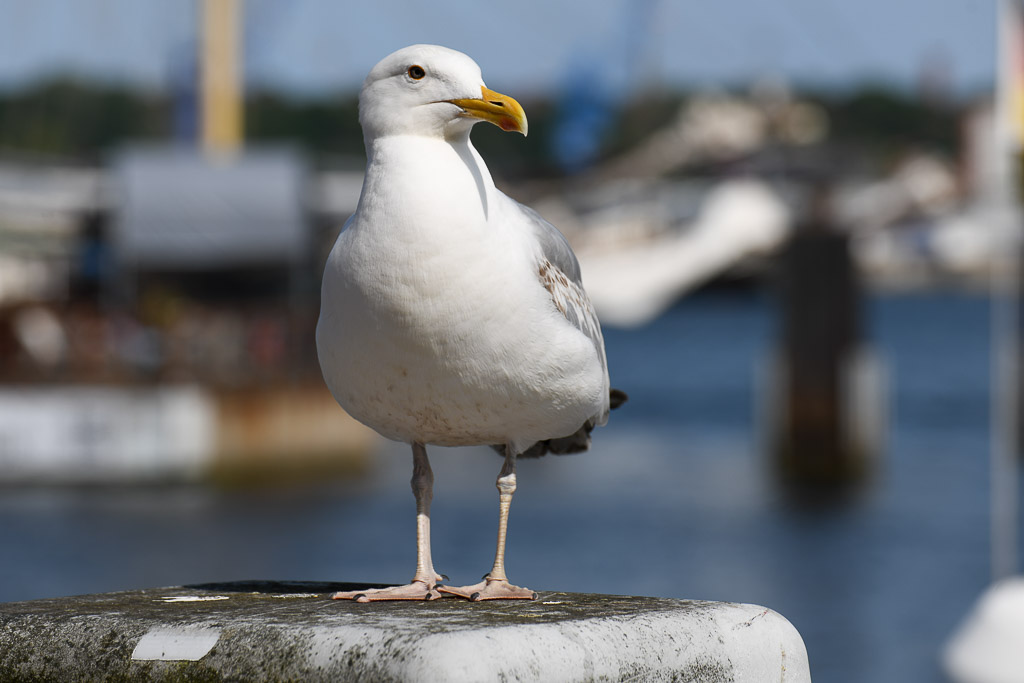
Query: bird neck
column 429, row 171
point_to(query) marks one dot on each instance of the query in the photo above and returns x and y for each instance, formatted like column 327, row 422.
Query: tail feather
column 616, row 398
column 577, row 442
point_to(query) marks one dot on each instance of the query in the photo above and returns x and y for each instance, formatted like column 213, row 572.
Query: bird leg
column 424, row 583
column 495, row 585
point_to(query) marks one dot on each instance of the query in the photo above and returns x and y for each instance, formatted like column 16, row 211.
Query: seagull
column 451, row 314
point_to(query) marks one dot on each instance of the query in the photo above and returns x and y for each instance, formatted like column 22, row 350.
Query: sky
column 527, row 47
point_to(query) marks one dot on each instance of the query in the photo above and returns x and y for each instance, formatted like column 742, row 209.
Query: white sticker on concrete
column 176, row 643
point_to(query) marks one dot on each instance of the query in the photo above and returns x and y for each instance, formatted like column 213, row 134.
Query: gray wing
column 553, row 244
column 559, row 272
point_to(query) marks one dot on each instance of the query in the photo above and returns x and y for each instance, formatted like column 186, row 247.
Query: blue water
column 675, row 500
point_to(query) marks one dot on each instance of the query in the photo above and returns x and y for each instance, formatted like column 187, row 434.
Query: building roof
column 176, row 208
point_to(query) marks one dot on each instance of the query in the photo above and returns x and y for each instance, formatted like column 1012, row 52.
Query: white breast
column 434, row 326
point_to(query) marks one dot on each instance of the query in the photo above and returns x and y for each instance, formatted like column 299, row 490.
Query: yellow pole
column 221, row 76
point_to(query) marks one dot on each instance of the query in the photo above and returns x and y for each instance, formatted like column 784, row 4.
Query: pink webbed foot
column 490, row 589
column 417, row 590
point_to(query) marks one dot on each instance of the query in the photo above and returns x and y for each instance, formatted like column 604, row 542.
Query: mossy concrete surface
column 292, row 631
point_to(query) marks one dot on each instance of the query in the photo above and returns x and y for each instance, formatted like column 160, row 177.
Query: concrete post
column 259, row 631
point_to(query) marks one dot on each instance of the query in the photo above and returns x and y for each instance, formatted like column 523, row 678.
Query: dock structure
column 275, row 631
column 166, row 433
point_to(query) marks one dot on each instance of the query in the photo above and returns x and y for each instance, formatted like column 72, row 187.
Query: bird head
column 432, row 91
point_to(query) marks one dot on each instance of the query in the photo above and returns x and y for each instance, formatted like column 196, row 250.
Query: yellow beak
column 493, row 107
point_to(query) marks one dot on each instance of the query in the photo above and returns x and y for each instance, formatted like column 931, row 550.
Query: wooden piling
column 827, row 392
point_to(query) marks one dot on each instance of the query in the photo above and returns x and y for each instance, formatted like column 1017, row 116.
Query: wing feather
column 559, row 273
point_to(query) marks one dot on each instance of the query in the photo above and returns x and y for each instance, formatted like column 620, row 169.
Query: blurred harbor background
column 790, row 219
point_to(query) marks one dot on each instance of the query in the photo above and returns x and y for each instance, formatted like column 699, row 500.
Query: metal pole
column 1006, row 282
column 1005, row 389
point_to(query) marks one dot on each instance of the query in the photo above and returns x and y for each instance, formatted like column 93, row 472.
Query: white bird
column 450, row 313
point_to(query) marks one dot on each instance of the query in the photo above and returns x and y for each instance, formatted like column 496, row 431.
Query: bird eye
column 416, row 72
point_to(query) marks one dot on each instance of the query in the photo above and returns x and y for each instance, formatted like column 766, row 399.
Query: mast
column 221, row 86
